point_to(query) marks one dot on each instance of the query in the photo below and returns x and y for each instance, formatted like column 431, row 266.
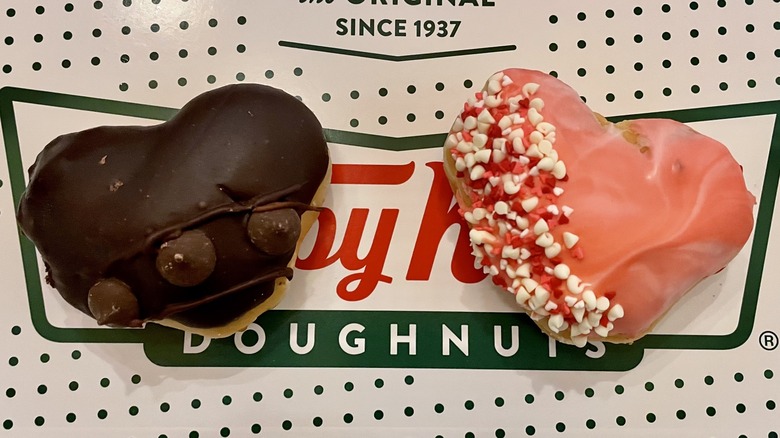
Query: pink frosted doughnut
column 596, row 228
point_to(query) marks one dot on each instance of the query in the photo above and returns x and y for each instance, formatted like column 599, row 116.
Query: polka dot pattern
column 689, row 61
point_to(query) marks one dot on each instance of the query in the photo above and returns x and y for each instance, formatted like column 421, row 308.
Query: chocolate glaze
column 101, row 202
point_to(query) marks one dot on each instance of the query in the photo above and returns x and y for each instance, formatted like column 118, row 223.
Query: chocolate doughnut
column 194, row 223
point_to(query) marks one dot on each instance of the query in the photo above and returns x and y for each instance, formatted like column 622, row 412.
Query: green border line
column 9, row 95
column 397, row 58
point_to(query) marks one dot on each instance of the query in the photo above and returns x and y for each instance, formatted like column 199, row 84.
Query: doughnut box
column 370, row 177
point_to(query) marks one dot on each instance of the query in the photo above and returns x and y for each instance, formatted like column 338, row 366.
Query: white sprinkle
column 493, row 270
column 586, row 326
column 570, row 239
column 541, row 227
column 570, row 300
column 615, row 312
column 522, row 295
column 464, row 147
column 483, row 127
column 545, row 128
column 602, row 304
column 546, row 164
column 578, row 314
column 529, row 284
column 580, row 341
column 530, row 88
column 601, row 331
column 510, row 188
column 545, row 147
column 575, row 331
column 481, row 236
column 506, row 80
column 522, row 222
column 562, row 271
column 545, row 240
column 567, row 211
column 460, row 164
column 552, row 250
column 559, row 171
column 590, row 300
column 499, row 144
column 574, row 284
column 594, row 319
column 524, row 233
column 534, row 117
column 470, row 160
column 555, row 322
column 553, row 209
column 451, row 141
column 523, row 160
column 493, row 101
column 480, row 213
column 470, row 123
column 557, row 191
column 517, row 119
column 480, row 140
column 477, row 172
column 524, row 270
column 497, row 76
column 548, row 270
column 483, row 155
column 515, row 134
column 494, row 86
column 541, row 295
column 508, row 252
column 535, row 137
column 469, row 216
column 534, row 171
column 505, row 122
column 498, row 155
column 485, row 117
column 536, row 103
column 524, row 254
column 533, row 152
column 457, row 125
column 501, row 207
column 517, row 145
column 494, row 180
column 508, row 269
column 538, row 315
column 530, row 203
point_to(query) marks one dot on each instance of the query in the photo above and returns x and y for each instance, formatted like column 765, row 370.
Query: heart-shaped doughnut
column 192, row 223
column 596, row 228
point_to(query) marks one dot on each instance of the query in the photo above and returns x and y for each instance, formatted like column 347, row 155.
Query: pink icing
column 653, row 219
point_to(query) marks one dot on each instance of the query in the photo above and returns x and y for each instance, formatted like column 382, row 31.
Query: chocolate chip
column 275, row 232
column 187, row 260
column 113, row 303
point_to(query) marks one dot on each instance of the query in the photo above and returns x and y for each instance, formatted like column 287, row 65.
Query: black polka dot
column 694, row 6
column 609, row 13
column 581, row 44
column 553, row 19
column 581, row 16
column 637, row 11
column 638, row 38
